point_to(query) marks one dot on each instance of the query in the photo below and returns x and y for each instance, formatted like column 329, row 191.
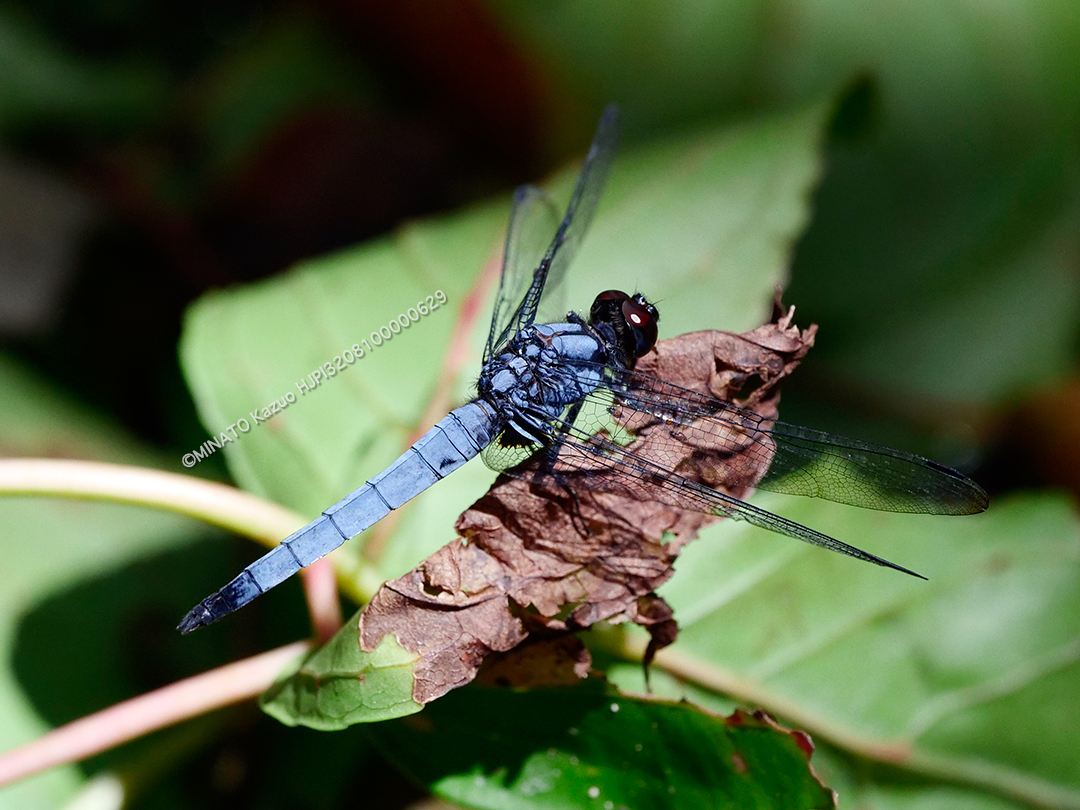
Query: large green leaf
column 883, row 789
column 703, row 223
column 858, row 782
column 972, row 676
column 591, row 747
column 942, row 258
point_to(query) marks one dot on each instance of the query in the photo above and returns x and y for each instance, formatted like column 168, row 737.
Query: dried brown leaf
column 538, row 559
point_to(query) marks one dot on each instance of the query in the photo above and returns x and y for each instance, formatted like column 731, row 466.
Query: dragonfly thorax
column 544, row 369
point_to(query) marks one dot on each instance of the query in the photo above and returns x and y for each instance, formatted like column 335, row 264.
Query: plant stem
column 218, row 504
column 163, row 707
column 214, row 503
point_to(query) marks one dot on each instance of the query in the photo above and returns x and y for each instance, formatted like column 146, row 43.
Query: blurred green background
column 152, row 152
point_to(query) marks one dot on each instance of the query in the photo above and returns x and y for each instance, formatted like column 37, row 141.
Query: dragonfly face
column 563, row 399
column 632, row 320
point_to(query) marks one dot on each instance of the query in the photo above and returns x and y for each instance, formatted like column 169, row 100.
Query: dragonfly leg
column 548, row 469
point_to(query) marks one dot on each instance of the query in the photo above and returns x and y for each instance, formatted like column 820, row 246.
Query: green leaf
column 593, row 747
column 969, row 677
column 975, row 316
column 942, row 260
column 244, row 348
column 703, row 223
column 340, row 684
column 881, row 787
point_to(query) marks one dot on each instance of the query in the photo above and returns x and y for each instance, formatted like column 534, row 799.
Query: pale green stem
column 218, row 504
column 214, row 503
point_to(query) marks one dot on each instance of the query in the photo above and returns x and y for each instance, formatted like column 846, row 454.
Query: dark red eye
column 612, row 295
column 631, row 320
column 641, row 317
column 606, row 307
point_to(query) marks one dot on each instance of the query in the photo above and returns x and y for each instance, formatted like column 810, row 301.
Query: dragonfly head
column 630, row 317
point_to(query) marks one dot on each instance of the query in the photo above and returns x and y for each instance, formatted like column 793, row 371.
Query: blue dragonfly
column 562, row 402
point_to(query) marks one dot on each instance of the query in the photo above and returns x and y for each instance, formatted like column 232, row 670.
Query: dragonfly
column 561, row 402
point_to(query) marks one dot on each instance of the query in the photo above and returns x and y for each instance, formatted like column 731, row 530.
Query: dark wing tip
column 883, row 562
column 978, row 501
column 968, row 497
column 963, row 496
column 908, row 571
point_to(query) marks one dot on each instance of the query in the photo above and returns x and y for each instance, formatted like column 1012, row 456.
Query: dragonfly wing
column 533, row 219
column 735, row 447
column 817, row 464
column 568, row 234
column 595, row 453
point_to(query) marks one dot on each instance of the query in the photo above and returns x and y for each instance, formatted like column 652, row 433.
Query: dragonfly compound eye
column 606, row 306
column 641, row 317
column 632, row 318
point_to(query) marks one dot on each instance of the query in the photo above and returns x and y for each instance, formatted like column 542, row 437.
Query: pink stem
column 163, row 707
column 320, row 589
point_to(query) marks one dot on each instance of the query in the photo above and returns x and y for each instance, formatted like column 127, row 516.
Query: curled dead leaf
column 541, row 559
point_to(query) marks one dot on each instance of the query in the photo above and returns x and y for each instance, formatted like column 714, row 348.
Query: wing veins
column 576, row 221
column 909, row 483
column 688, row 494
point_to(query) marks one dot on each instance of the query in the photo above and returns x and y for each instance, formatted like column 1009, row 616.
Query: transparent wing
column 552, row 265
column 791, row 459
column 734, row 447
column 626, row 472
column 533, row 219
column 649, row 440
column 503, row 453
